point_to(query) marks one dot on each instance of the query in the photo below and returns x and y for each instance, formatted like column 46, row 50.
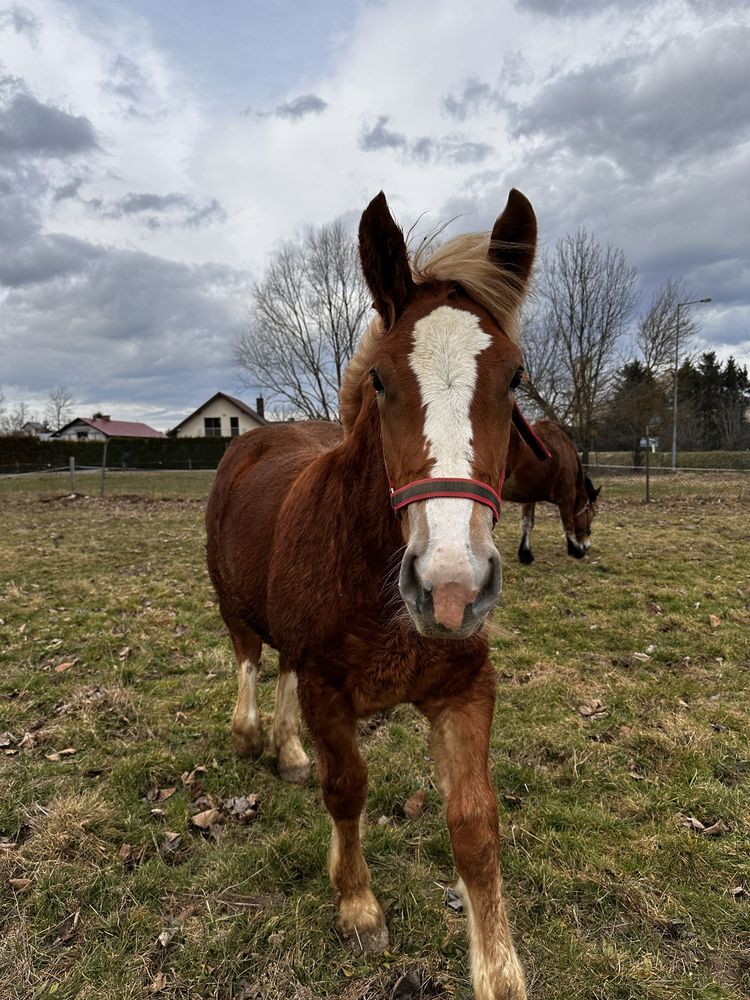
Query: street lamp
column 680, row 305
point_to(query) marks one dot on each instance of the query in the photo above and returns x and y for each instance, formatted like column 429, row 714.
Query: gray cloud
column 652, row 112
column 127, row 81
column 379, row 136
column 300, row 107
column 21, row 20
column 294, row 110
column 150, row 330
column 44, row 258
column 29, row 128
column 161, row 211
column 477, row 96
column 577, row 8
column 69, row 190
column 425, row 149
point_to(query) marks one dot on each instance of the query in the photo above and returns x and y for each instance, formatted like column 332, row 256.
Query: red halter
column 468, row 489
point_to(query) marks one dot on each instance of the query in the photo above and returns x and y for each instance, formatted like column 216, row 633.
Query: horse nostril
column 490, row 590
column 409, row 583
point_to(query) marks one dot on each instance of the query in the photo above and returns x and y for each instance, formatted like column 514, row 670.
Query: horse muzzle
column 449, row 605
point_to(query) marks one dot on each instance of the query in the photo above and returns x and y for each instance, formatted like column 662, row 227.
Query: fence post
column 72, row 474
column 648, row 469
column 104, row 468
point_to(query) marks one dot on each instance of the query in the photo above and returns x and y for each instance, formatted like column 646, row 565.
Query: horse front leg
column 343, row 777
column 525, row 555
column 567, row 516
column 292, row 761
column 460, row 733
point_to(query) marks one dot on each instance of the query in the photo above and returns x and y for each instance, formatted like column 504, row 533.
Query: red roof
column 117, row 428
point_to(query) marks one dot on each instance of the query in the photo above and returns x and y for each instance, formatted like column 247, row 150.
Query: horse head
column 587, row 502
column 444, row 370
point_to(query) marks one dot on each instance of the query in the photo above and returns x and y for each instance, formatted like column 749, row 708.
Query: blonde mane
column 464, row 260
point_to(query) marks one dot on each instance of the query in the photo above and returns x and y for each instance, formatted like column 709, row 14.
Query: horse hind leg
column 293, row 762
column 247, row 725
column 525, row 555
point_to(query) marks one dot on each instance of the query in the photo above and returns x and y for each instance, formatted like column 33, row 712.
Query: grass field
column 621, row 729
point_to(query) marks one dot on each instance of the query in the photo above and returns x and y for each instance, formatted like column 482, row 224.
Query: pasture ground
column 621, row 728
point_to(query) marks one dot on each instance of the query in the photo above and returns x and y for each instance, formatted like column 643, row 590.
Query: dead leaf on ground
column 59, row 754
column 693, row 824
column 69, row 928
column 414, row 805
column 124, row 653
column 188, row 777
column 206, row 801
column 512, row 799
column 19, row 884
column 592, row 709
column 170, row 843
column 159, row 983
column 717, row 829
column 157, row 794
column 66, row 665
column 166, row 936
column 6, row 740
column 131, row 856
column 243, row 808
column 28, row 742
column 204, row 820
column 714, row 620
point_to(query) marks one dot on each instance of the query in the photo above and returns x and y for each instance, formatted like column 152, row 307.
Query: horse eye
column 516, row 380
column 376, row 383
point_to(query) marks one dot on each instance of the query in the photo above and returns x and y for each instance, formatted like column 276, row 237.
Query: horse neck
column 365, row 508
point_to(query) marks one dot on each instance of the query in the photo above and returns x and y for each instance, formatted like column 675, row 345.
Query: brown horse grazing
column 561, row 481
column 303, row 547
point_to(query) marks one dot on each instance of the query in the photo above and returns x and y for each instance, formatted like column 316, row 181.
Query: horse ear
column 385, row 262
column 513, row 239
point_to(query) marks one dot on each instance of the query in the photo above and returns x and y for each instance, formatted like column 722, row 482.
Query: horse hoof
column 369, row 942
column 525, row 556
column 248, row 745
column 295, row 774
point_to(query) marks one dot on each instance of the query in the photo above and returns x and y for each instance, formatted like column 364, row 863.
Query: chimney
column 260, row 406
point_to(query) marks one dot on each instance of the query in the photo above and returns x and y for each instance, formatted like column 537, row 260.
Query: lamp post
column 680, row 305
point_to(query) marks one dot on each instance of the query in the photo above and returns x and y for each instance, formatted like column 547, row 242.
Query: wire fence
column 635, row 484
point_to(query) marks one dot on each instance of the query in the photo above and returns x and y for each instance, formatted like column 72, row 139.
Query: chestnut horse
column 561, row 481
column 309, row 522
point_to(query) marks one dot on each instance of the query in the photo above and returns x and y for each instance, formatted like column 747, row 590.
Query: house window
column 82, row 435
column 212, row 427
column 234, row 426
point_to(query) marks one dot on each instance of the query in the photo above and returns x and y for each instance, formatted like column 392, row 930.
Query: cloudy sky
column 153, row 154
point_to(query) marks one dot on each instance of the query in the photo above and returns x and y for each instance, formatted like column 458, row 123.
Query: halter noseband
column 469, row 489
column 466, row 489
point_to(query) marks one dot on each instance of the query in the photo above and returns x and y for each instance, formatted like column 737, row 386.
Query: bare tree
column 588, row 293
column 59, row 409
column 657, row 328
column 307, row 314
column 544, row 381
column 13, row 420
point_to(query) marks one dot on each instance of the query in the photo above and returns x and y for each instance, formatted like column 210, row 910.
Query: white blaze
column 447, row 343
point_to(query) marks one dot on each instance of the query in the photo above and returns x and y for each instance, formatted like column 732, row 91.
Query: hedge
column 19, row 453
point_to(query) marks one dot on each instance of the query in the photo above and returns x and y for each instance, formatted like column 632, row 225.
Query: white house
column 221, row 416
column 101, row 428
column 33, row 428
